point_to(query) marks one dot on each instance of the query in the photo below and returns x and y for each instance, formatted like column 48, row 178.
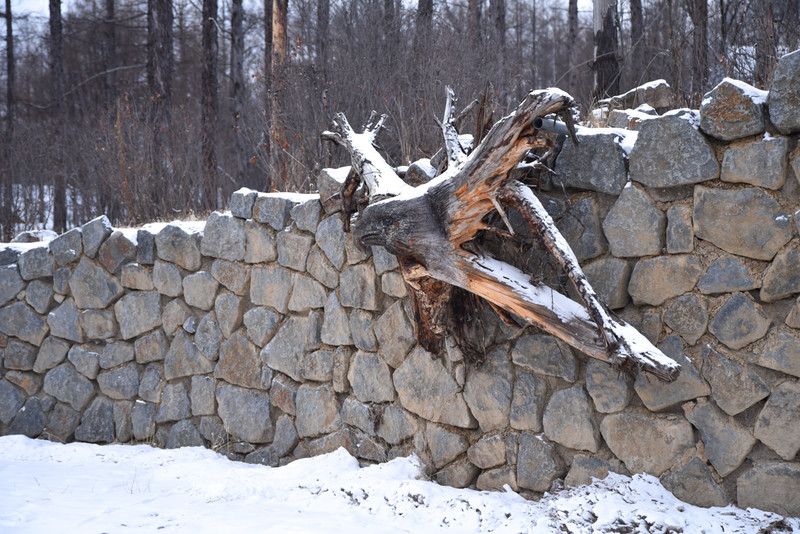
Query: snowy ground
column 47, row 487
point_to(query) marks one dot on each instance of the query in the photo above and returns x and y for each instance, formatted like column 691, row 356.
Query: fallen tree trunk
column 432, row 229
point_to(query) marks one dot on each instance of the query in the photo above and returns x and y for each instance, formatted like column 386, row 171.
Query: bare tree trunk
column 110, row 54
column 474, row 21
column 237, row 88
column 424, row 26
column 572, row 42
column 534, row 66
column 209, row 103
column 606, row 60
column 637, row 66
column 766, row 44
column 7, row 216
column 279, row 171
column 323, row 17
column 698, row 12
column 57, row 95
column 159, row 81
column 498, row 17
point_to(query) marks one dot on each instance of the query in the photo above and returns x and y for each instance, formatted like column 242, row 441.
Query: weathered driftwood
column 431, row 228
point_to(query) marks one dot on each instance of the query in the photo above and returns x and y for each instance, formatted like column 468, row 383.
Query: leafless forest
column 157, row 109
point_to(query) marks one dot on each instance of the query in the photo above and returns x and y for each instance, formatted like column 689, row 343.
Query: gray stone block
column 115, row 354
column 734, row 387
column 726, row 442
column 61, row 280
column 680, row 233
column 286, row 436
column 362, row 331
column 634, row 226
column 370, row 378
column 488, row 452
column 317, row 366
column 245, row 413
column 233, row 276
column 152, row 384
column 223, row 237
column 200, row 290
column 307, row 294
column 777, row 425
column 782, row 353
column 19, row 355
column 336, row 324
column 581, row 227
column 36, row 263
column 770, row 486
column 762, row 163
column 184, row 434
column 445, row 446
column 151, row 347
column 397, row 425
column 329, row 183
column 242, row 201
column 732, row 110
column 120, row 382
column 259, row 243
column 657, row 395
column 746, row 222
column 585, row 468
column 597, row 163
column 184, row 359
column 11, row 283
column 317, row 411
column 739, row 322
column 358, row 287
column 94, row 233
column 39, row 295
column 488, row 390
column 610, row 277
column 62, row 422
column 527, row 403
column 318, row 266
column 177, row 245
column 306, row 214
column 92, row 286
column 497, row 479
column 261, row 324
column 19, row 320
column 86, row 361
column 726, row 274
column 274, row 209
column 293, row 250
column 134, row 276
column 545, row 355
column 568, row 420
column 167, row 279
column 271, row 286
column 395, row 334
column 145, row 246
column 693, row 483
column 64, row 321
column 687, row 315
column 783, row 100
column 11, row 400
column 297, row 336
column 656, row 280
column 137, row 313
column 174, row 403
column 67, row 247
column 118, row 250
column 51, row 353
column 143, row 421
column 239, row 362
column 609, row 388
column 359, row 415
column 97, row 423
column 669, row 152
column 782, row 277
column 459, row 474
column 538, row 463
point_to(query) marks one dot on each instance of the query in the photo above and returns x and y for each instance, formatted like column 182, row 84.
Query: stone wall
column 264, row 332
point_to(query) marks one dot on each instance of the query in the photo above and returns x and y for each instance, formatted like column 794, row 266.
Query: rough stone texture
column 427, row 389
column 116, row 251
column 336, row 325
column 581, row 227
column 488, row 391
column 229, row 310
column 261, row 324
column 61, row 280
column 183, row 358
column 783, row 100
column 634, row 226
column 459, row 474
column 184, row 434
column 680, row 233
column 86, row 361
column 394, row 285
column 283, row 394
column 445, row 446
column 152, row 384
column 732, row 110
column 733, row 387
column 318, row 266
column 11, row 400
column 693, row 483
column 656, row 280
column 21, row 321
column 11, row 283
column 777, row 426
column 609, row 388
column 271, row 286
column 94, row 233
column 497, row 479
column 167, row 279
column 138, row 312
column 239, row 362
column 746, row 222
column 782, row 277
column 64, row 321
column 208, row 336
column 317, row 411
column 98, row 324
column 97, row 423
column 538, row 464
column 527, row 403
column 330, row 238
column 657, row 395
column 362, row 330
column 358, row 415
column 285, row 436
column 200, row 290
column 586, row 468
column 793, row 318
column 30, row 382
column 568, row 420
column 306, row 214
column 726, row 442
column 670, row 152
column 233, row 276
column 19, row 355
column 771, row 486
column 488, row 452
column 259, row 243
column 39, row 295
column 62, row 422
column 545, row 355
column 67, row 247
column 739, row 322
column 687, row 315
column 307, row 294
column 151, row 347
column 51, row 353
column 396, row 425
column 213, row 430
column 143, row 421
column 370, row 378
column 782, row 353
column 597, row 163
column 394, row 333
column 175, row 314
column 175, row 245
column 242, row 201
column 145, row 246
column 120, row 382
column 273, row 209
column 36, row 263
column 317, row 366
column 762, row 163
column 174, row 403
column 223, row 237
column 293, row 250
column 297, row 336
column 92, row 286
column 609, row 278
column 726, row 274
column 201, row 395
column 660, row 440
column 358, row 287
